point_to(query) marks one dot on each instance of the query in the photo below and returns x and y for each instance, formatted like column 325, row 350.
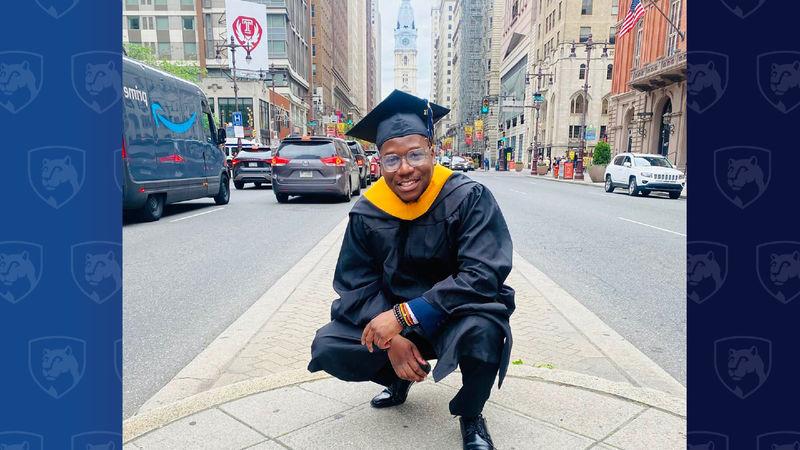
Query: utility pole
column 232, row 47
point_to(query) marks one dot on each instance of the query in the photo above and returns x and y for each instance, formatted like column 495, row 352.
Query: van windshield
column 311, row 150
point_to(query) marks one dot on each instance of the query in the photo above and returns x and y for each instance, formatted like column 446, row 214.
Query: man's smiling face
column 408, row 183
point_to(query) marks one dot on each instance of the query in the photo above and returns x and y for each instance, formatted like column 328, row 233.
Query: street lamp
column 538, row 99
column 589, row 44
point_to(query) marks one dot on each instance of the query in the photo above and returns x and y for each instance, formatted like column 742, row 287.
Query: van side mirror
column 222, row 135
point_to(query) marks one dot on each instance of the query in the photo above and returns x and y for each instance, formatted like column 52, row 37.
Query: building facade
column 376, row 31
column 442, row 61
column 493, row 64
column 647, row 111
column 559, row 24
column 405, row 50
column 357, row 56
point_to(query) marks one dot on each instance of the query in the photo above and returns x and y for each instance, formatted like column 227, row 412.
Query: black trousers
column 338, row 351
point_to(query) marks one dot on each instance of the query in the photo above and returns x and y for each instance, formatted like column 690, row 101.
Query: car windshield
column 655, row 161
column 250, row 154
column 355, row 149
column 458, row 159
column 307, row 150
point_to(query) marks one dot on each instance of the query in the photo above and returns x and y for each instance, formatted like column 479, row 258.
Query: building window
column 164, row 50
column 559, row 10
column 612, row 35
column 604, row 108
column 187, row 2
column 161, row 2
column 582, row 72
column 147, row 2
column 614, row 7
column 133, row 23
column 575, row 131
column 586, row 8
column 131, row 2
column 190, row 50
column 585, row 33
column 672, row 33
column 576, row 105
column 637, row 46
column 609, row 71
column 188, row 23
column 162, row 23
column 405, row 60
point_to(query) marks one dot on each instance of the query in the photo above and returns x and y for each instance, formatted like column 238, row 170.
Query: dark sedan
column 252, row 166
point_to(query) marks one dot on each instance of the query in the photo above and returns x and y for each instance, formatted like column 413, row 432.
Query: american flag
column 634, row 14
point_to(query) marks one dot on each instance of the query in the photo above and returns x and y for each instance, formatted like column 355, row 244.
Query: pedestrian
column 486, row 164
column 420, row 275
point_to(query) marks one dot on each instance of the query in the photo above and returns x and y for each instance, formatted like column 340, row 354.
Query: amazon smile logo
column 175, row 127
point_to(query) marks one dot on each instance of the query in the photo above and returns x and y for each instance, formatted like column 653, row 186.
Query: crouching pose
column 420, row 275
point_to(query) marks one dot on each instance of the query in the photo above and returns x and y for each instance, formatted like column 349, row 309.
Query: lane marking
column 197, row 215
column 518, row 192
column 651, row 226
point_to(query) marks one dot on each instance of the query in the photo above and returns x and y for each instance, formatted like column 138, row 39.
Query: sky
column 422, row 13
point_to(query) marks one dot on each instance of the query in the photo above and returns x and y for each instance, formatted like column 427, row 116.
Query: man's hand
column 381, row 330
column 406, row 360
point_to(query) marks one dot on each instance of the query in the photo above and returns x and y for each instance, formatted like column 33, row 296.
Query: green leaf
column 544, row 366
column 517, row 362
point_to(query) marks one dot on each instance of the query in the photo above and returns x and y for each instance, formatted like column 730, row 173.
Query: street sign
column 312, row 123
column 591, row 134
column 237, row 119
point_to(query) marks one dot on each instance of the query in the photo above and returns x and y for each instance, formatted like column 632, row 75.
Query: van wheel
column 358, row 189
column 633, row 189
column 238, row 184
column 224, row 195
column 674, row 195
column 363, row 182
column 348, row 192
column 153, row 208
column 282, row 198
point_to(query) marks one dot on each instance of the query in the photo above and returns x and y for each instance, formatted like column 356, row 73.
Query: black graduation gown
column 457, row 255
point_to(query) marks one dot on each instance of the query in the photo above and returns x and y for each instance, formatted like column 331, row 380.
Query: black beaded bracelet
column 399, row 316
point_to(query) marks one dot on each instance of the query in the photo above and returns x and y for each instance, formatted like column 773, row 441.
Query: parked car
column 361, row 161
column 470, row 163
column 644, row 173
column 374, row 160
column 458, row 163
column 171, row 149
column 445, row 161
column 252, row 165
column 314, row 165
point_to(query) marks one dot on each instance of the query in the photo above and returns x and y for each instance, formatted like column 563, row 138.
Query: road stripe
column 196, row 215
column 518, row 192
column 651, row 226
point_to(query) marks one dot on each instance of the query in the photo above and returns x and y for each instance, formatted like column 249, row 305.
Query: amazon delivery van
column 171, row 150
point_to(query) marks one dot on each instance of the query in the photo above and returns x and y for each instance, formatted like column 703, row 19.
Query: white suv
column 644, row 173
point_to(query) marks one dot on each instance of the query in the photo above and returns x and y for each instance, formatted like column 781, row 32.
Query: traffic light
column 485, row 106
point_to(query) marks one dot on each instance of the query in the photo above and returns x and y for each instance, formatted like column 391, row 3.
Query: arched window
column 582, row 72
column 405, row 60
column 609, row 71
column 577, row 104
column 604, row 110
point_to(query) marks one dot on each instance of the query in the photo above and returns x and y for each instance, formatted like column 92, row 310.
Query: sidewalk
column 576, row 383
column 585, row 182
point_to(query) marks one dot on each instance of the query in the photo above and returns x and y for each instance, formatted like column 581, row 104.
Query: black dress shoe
column 393, row 395
column 475, row 434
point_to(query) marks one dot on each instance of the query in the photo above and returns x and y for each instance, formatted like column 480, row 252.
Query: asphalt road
column 623, row 257
column 190, row 275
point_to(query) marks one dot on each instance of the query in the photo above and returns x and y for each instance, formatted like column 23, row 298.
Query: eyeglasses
column 414, row 158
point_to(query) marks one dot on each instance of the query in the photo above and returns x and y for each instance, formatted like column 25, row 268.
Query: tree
column 186, row 71
column 602, row 154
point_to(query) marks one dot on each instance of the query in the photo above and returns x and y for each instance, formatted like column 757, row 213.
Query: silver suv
column 314, row 165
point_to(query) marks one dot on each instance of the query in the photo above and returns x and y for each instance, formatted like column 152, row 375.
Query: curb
column 635, row 365
column 592, row 184
column 208, row 365
column 151, row 420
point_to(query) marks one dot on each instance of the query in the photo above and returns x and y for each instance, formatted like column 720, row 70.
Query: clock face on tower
column 406, row 41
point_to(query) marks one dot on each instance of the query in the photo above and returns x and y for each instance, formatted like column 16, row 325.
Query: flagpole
column 680, row 33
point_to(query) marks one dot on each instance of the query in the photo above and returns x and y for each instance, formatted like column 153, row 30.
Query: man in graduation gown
column 420, row 275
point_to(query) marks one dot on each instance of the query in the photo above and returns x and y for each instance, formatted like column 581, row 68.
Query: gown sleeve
column 357, row 280
column 484, row 250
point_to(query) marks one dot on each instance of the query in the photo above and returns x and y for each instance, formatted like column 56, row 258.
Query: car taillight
column 235, row 161
column 268, row 161
column 278, row 161
column 333, row 161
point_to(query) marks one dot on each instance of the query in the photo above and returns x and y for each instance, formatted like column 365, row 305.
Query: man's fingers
column 418, row 356
column 417, row 370
column 411, row 373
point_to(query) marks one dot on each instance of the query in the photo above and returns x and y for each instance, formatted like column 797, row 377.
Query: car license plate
column 306, row 174
column 252, row 164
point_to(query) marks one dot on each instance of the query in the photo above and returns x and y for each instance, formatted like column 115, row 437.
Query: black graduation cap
column 400, row 114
